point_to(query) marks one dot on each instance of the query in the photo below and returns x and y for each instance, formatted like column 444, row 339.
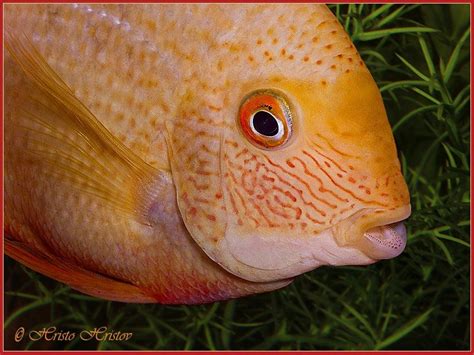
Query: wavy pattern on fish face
column 282, row 205
column 303, row 194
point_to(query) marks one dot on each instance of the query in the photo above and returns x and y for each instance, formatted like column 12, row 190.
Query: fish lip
column 355, row 230
column 386, row 242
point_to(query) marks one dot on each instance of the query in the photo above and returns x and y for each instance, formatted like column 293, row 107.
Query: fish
column 192, row 153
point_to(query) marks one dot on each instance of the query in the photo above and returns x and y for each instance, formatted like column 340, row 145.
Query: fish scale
column 128, row 176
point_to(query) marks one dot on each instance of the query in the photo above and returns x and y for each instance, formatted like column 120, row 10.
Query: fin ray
column 36, row 68
column 64, row 137
column 79, row 279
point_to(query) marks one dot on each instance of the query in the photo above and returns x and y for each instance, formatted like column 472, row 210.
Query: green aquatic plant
column 419, row 56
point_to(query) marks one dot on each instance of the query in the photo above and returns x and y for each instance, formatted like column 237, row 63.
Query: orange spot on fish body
column 290, row 196
column 214, row 108
column 151, row 25
column 298, row 213
column 268, row 178
column 312, row 219
column 201, row 200
column 232, row 143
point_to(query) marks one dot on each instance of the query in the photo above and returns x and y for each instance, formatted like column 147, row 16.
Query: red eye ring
column 265, row 119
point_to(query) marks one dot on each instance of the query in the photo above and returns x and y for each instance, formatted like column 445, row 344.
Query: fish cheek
column 197, row 156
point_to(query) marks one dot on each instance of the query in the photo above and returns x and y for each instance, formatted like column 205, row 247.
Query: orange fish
column 186, row 153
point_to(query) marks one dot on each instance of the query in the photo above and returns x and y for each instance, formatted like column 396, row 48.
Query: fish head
column 293, row 164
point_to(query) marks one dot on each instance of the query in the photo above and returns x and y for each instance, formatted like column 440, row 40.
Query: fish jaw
column 364, row 238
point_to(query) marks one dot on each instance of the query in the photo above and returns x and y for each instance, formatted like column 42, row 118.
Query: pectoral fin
column 56, row 147
column 59, row 134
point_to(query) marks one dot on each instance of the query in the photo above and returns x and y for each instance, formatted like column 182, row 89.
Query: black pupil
column 265, row 124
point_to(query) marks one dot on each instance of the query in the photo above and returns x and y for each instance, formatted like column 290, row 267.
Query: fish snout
column 378, row 233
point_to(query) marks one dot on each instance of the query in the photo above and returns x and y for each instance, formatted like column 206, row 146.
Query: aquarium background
column 420, row 57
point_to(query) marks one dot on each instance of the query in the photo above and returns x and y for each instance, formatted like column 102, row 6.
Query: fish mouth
column 385, row 242
column 370, row 234
column 379, row 234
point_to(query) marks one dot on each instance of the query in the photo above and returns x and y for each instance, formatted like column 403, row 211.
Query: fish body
column 188, row 153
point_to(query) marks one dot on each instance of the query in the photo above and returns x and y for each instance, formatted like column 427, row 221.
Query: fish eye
column 265, row 119
column 264, row 123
